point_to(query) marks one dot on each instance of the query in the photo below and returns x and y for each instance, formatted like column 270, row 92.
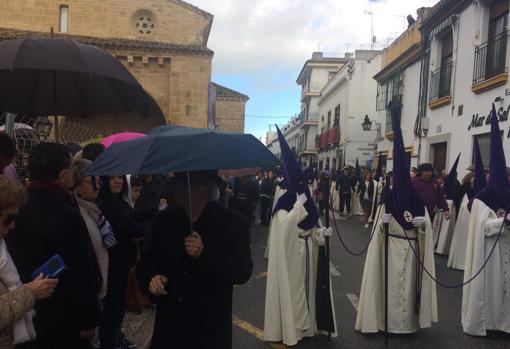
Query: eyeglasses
column 9, row 219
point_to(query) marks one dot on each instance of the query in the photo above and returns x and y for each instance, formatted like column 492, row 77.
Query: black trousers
column 265, row 210
column 113, row 309
column 345, row 200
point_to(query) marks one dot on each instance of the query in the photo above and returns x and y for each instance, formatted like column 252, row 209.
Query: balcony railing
column 490, row 58
column 440, row 82
column 330, row 137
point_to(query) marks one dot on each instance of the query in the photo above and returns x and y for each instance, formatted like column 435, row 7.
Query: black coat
column 362, row 188
column 126, row 226
column 197, row 312
column 48, row 225
column 268, row 187
column 151, row 193
column 344, row 184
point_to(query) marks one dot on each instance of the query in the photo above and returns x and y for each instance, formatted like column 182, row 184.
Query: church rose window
column 144, row 21
column 145, row 24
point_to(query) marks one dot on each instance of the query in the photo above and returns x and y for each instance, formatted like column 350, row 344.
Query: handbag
column 135, row 300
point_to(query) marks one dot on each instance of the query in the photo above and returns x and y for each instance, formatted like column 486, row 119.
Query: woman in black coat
column 127, row 230
column 190, row 276
column 50, row 223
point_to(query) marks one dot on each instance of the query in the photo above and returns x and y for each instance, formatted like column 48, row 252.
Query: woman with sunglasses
column 16, row 299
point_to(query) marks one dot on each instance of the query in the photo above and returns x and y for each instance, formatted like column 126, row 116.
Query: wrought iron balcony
column 440, row 82
column 490, row 58
column 330, row 137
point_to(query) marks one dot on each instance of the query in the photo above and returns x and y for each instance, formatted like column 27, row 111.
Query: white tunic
column 377, row 197
column 486, row 300
column 402, row 276
column 290, row 301
column 356, row 208
column 443, row 229
column 457, row 256
column 335, row 198
column 278, row 193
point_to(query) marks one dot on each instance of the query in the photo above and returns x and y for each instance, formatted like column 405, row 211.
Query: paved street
column 249, row 304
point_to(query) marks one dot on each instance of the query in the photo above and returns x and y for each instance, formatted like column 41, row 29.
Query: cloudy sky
column 261, row 45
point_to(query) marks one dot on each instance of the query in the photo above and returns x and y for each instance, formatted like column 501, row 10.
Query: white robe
column 278, row 193
column 356, row 208
column 443, row 229
column 457, row 256
column 289, row 313
column 486, row 300
column 401, row 286
column 335, row 198
column 379, row 186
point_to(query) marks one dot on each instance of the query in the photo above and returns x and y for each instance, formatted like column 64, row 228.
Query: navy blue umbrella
column 183, row 149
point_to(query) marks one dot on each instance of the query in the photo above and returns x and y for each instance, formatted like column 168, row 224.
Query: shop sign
column 479, row 121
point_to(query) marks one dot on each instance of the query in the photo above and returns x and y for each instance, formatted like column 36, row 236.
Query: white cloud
column 250, row 36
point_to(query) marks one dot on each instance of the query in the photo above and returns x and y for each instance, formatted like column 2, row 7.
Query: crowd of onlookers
column 103, row 228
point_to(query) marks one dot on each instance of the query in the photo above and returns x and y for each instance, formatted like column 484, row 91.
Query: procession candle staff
column 378, row 178
column 404, row 299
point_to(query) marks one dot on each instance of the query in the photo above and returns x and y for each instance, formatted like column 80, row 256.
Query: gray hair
column 80, row 167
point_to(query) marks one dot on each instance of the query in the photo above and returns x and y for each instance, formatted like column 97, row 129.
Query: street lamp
column 367, row 124
column 43, row 127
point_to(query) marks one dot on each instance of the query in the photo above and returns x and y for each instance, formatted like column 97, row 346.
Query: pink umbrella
column 120, row 137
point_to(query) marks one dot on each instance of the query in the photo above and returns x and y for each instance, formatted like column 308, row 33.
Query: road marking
column 261, row 275
column 255, row 331
column 333, row 270
column 353, row 299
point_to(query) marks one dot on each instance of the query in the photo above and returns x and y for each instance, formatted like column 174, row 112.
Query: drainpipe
column 455, row 32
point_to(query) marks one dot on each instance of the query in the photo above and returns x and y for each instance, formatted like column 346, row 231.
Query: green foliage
column 95, row 139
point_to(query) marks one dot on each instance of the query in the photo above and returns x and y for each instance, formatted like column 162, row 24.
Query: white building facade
column 315, row 74
column 466, row 71
column 344, row 102
column 399, row 78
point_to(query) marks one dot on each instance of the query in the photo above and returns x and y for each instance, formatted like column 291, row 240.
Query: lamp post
column 367, row 126
column 43, row 127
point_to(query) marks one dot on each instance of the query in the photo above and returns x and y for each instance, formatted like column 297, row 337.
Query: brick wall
column 230, row 115
column 107, row 18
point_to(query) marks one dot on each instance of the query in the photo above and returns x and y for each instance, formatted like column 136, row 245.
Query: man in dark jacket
column 154, row 188
column 267, row 191
column 344, row 186
column 190, row 273
column 49, row 224
column 246, row 195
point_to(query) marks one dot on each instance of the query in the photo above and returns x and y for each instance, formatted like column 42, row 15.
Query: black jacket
column 268, row 187
column 151, row 193
column 344, row 184
column 126, row 226
column 197, row 312
column 49, row 225
column 362, row 188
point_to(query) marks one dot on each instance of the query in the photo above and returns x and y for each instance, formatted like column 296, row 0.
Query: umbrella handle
column 189, row 202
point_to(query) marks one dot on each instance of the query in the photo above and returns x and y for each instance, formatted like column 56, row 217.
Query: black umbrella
column 59, row 76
